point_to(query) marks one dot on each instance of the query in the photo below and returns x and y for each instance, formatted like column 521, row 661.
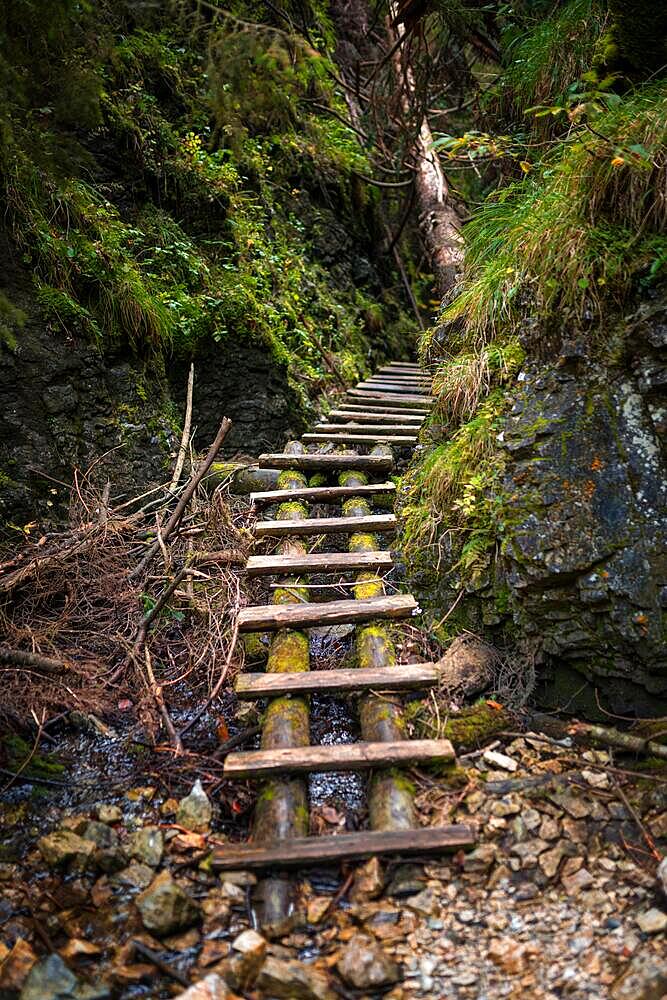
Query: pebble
column 653, row 921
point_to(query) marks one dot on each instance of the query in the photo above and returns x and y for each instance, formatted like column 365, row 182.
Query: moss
column 356, row 507
column 292, row 511
column 362, row 542
column 352, row 478
column 289, row 480
column 41, row 765
column 289, row 652
column 286, row 723
column 289, row 595
column 318, row 479
column 255, row 646
column 472, row 726
column 368, row 585
column 374, row 647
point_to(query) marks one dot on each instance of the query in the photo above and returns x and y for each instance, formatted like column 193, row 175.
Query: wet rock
column 575, row 883
column 101, row 834
column 210, row 988
column 500, row 760
column 317, row 908
column 17, row 965
column 194, row 811
column 424, row 903
column 50, row 979
column 109, row 814
column 285, row 980
column 365, row 966
column 653, row 921
column 368, row 881
column 147, row 846
column 407, row 880
column 645, row 979
column 468, row 666
column 63, row 846
column 78, row 948
column 165, row 907
column 248, row 958
column 111, row 859
column 137, row 875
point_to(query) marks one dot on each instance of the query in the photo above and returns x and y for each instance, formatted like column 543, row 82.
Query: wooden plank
column 325, row 525
column 354, row 428
column 327, row 463
column 377, row 438
column 318, row 562
column 321, row 494
column 362, row 416
column 402, row 677
column 359, row 407
column 276, row 616
column 412, row 366
column 393, row 399
column 299, row 852
column 337, row 757
column 396, row 388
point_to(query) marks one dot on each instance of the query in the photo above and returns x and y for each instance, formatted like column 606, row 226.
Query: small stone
column 145, row 792
column 549, row 861
column 135, row 875
column 146, row 846
column 658, row 826
column 17, row 965
column 424, row 903
column 212, row 987
column 109, row 814
column 194, row 811
column 213, row 950
column 286, row 980
column 76, row 824
column 508, row 955
column 165, row 907
column 573, row 884
column 232, row 891
column 574, row 805
column 596, row 779
column 644, row 979
column 368, row 881
column 507, row 806
column 662, row 876
column 250, row 948
column 250, row 943
column 499, row 760
column 364, row 965
column 576, row 830
column 50, row 979
column 111, row 859
column 549, row 828
column 63, row 846
column 529, row 851
column 101, row 834
column 481, row 858
column 653, row 921
column 169, row 807
column 78, row 948
column 316, row 908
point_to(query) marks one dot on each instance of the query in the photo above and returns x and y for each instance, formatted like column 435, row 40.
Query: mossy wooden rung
column 351, row 448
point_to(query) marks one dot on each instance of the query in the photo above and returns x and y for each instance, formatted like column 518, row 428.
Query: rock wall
column 585, row 543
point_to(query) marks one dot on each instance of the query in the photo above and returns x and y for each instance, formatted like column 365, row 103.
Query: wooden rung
column 377, row 438
column 326, row 525
column 380, row 408
column 399, row 376
column 361, row 428
column 318, row 562
column 368, row 416
column 396, row 388
column 402, row 677
column 337, row 757
column 411, row 365
column 324, row 463
column 393, row 399
column 303, row 851
column 270, row 617
column 321, row 494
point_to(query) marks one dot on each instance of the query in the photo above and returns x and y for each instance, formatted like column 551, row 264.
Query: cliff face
column 585, row 553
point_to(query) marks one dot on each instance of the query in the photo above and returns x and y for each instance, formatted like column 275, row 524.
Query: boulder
column 364, row 965
column 101, row 834
column 165, row 907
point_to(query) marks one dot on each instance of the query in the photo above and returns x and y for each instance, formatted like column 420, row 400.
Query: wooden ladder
column 385, row 411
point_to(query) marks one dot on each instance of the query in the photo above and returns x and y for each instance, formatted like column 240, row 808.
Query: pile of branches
column 130, row 607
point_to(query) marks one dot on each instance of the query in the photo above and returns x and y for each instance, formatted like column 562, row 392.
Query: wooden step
column 402, row 677
column 321, row 494
column 327, row 463
column 299, row 852
column 270, row 617
column 318, row 562
column 362, row 416
column 381, row 408
column 402, row 441
column 411, row 365
column 393, row 399
column 326, row 525
column 257, row 764
column 396, row 388
column 354, row 427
